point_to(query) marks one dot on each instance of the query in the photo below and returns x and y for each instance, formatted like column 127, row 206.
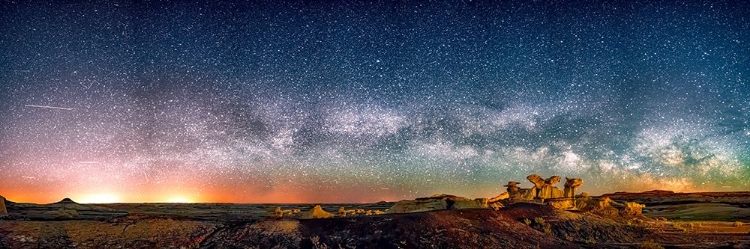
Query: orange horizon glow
column 279, row 197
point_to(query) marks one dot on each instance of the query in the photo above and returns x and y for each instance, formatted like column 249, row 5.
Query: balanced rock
column 317, row 213
column 3, row 209
column 548, row 190
column 567, row 201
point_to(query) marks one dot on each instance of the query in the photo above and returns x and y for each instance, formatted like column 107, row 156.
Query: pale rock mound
column 317, row 213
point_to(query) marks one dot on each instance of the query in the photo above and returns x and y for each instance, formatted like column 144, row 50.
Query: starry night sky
column 146, row 101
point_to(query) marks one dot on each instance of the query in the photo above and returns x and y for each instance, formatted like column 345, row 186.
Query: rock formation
column 543, row 189
column 279, row 213
column 500, row 197
column 317, row 213
column 632, row 208
column 567, row 201
column 3, row 209
column 470, row 204
column 344, row 213
column 418, row 205
column 437, row 202
column 537, row 180
column 571, row 185
column 63, row 213
column 548, row 190
column 516, row 193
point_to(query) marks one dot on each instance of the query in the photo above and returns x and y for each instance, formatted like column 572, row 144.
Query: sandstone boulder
column 343, row 212
column 632, row 208
column 503, row 196
column 280, row 213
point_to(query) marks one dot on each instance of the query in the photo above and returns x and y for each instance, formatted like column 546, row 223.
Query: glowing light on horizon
column 180, row 200
column 100, row 198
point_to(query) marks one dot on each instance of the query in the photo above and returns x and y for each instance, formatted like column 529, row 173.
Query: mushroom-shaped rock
column 571, row 185
column 548, row 190
column 537, row 180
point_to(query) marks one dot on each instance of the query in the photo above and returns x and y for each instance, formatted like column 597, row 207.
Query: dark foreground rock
column 519, row 226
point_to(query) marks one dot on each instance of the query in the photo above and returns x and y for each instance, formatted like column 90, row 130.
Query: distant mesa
column 66, row 201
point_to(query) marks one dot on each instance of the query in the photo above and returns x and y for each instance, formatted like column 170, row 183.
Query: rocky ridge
column 656, row 197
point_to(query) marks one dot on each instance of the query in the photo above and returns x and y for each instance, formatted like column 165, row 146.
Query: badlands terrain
column 654, row 219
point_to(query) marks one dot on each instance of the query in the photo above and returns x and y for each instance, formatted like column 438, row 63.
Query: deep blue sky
column 311, row 102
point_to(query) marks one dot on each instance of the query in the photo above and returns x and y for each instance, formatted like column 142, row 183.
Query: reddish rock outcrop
column 3, row 209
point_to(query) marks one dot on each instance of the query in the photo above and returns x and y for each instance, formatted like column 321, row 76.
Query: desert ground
column 668, row 220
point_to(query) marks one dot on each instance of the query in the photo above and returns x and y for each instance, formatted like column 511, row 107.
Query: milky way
column 355, row 102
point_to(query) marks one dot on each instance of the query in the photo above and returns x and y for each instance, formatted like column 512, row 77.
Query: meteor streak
column 50, row 107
